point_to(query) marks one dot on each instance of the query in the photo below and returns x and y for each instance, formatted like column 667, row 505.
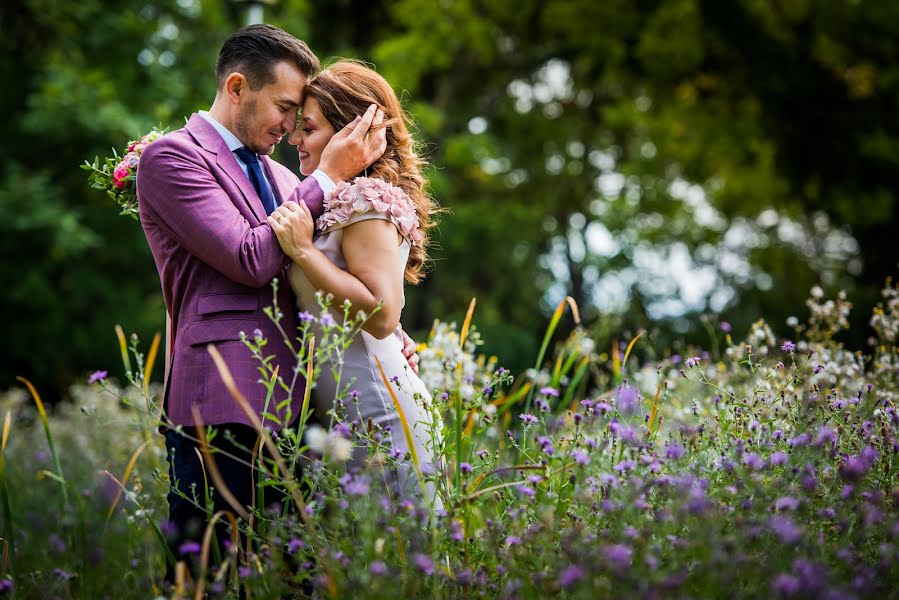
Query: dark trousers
column 187, row 522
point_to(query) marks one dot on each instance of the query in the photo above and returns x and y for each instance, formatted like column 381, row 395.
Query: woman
column 372, row 235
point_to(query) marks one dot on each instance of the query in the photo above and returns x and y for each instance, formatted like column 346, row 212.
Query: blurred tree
column 655, row 159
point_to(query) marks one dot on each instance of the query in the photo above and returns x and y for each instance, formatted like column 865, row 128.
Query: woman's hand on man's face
column 294, row 226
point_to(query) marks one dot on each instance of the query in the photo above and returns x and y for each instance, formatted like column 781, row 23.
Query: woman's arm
column 370, row 249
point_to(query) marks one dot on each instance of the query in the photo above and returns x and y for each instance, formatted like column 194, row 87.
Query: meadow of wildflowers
column 765, row 470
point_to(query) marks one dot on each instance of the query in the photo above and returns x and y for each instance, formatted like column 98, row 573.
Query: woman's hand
column 293, row 225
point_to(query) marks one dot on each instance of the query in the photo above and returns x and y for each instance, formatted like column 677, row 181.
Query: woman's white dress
column 369, row 198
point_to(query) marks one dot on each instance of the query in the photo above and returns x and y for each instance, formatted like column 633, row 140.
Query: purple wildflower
column 580, row 457
column 327, row 320
column 725, row 327
column 786, row 503
column 853, row 468
column 618, row 556
column 257, row 334
column 817, row 369
column 189, row 548
column 549, row 392
column 528, row 418
column 465, row 468
column 788, row 346
column 674, row 451
column 513, row 540
column 305, row 317
column 295, row 545
column 785, row 585
column 786, row 529
column 97, row 376
column 424, row 563
column 779, row 458
column 628, row 400
column 753, row 461
column 357, row 487
column 570, row 576
column 6, row 585
column 692, row 362
column 377, row 568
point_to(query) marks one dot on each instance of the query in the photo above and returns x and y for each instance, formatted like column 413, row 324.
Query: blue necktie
column 264, row 190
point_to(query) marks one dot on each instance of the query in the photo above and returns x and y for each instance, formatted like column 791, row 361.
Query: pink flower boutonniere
column 116, row 174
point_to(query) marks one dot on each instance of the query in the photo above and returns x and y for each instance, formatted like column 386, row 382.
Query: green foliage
column 654, row 161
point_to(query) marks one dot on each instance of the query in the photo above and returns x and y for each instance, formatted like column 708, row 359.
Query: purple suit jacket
column 216, row 258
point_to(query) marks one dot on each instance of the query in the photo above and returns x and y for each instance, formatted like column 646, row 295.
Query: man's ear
column 235, row 85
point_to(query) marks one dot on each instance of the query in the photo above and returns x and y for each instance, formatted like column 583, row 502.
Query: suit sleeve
column 177, row 190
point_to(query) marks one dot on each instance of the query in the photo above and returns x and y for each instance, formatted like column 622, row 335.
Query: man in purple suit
column 205, row 192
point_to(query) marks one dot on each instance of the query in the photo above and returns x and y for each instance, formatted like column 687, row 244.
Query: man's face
column 264, row 116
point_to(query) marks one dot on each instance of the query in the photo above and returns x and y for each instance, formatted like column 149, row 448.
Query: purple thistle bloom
column 549, row 392
column 853, row 468
column 753, row 461
column 465, row 468
column 244, row 572
column 305, row 317
column 788, row 346
column 377, row 568
column 692, row 362
column 295, row 545
column 6, row 585
column 785, row 585
column 725, row 327
column 527, row 491
column 513, row 540
column 570, row 576
column 625, row 465
column 786, row 503
column 357, row 487
column 817, row 369
column 97, row 376
column 675, row 451
column 257, row 334
column 580, row 457
column 528, row 418
column 481, row 454
column 189, row 548
column 424, row 564
column 628, row 400
column 786, row 529
column 800, row 440
column 779, row 458
column 618, row 556
column 825, row 435
column 543, row 405
column 602, row 407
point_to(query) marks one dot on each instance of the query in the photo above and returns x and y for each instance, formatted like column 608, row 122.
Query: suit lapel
column 210, row 140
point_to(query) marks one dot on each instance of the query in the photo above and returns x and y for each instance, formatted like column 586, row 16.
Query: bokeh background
column 670, row 164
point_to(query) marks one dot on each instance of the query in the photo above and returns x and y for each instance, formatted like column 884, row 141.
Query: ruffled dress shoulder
column 370, row 198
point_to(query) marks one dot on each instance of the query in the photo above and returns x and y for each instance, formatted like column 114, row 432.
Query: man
column 205, row 192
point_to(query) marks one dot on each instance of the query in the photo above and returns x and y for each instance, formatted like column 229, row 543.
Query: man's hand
column 409, row 351
column 355, row 146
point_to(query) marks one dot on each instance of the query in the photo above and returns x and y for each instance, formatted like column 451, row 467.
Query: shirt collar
column 230, row 139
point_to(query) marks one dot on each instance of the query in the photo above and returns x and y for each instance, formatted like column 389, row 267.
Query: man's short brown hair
column 256, row 49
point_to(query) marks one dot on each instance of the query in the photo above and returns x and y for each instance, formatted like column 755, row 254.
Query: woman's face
column 311, row 136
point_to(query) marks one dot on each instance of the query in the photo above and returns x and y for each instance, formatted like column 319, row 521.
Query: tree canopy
column 655, row 160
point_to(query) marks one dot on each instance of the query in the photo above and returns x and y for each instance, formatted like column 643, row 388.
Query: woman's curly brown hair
column 346, row 89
